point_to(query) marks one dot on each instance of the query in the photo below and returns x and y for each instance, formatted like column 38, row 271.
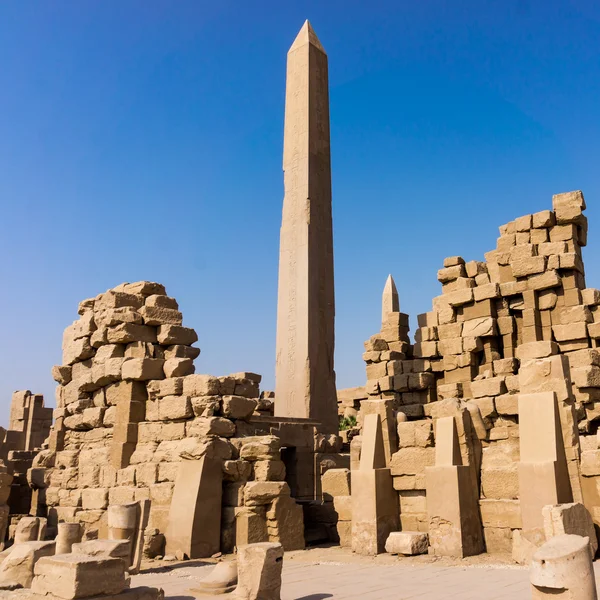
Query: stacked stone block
column 130, row 410
column 521, row 322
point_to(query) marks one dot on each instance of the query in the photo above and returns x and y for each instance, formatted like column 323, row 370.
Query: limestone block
column 425, row 350
column 181, row 351
column 415, row 433
column 104, row 548
column 574, row 519
column 493, row 386
column 588, row 376
column 408, row 543
column 145, row 288
column 260, row 448
column 287, row 516
column 206, row 406
column 451, row 273
column 544, row 281
column 411, row 461
column 563, row 566
column 500, row 482
column 258, row 493
column 507, row 404
column 19, row 565
column 568, row 207
column 160, row 315
column 269, row 470
column 72, row 576
column 590, row 463
column 237, row 470
column 203, row 426
column 335, row 482
column 238, row 407
column 27, row 530
column 125, row 333
column 142, row 369
column 92, row 499
column 573, row 331
column 460, row 297
column 176, row 334
column 250, row 525
column 171, row 408
column 480, row 327
column 544, row 218
column 61, row 374
column 201, row 385
column 75, row 350
column 500, row 513
column 140, row 350
column 523, row 267
column 498, row 540
column 259, row 571
column 178, row 367
column 118, row 299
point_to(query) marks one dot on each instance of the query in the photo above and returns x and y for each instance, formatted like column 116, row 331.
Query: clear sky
column 143, row 140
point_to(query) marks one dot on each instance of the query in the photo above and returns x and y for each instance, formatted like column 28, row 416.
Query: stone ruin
column 479, row 436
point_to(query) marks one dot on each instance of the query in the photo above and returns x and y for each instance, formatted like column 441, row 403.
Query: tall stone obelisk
column 305, row 379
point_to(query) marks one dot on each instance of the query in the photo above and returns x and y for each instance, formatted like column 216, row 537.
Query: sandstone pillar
column 563, row 567
column 452, row 503
column 259, row 571
column 68, row 534
column 375, row 506
column 305, row 379
column 543, row 474
column 128, row 522
column 194, row 528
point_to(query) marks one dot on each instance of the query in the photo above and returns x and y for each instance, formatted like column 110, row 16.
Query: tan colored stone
column 335, row 482
column 259, row 571
column 72, row 576
column 407, row 543
column 176, row 334
column 195, row 509
column 563, row 566
column 572, row 519
column 18, row 566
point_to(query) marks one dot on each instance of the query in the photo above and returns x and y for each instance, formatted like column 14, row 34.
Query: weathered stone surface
column 259, row 571
column 408, row 543
column 258, row 493
column 335, row 482
column 176, row 334
column 304, row 379
column 72, row 576
column 238, row 407
column 19, row 565
column 572, row 519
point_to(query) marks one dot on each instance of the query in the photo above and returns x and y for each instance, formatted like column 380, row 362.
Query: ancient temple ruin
column 478, row 435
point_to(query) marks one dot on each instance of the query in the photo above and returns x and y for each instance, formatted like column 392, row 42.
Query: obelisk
column 304, row 378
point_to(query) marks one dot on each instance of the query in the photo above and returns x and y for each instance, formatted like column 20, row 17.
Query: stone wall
column 130, row 410
column 521, row 322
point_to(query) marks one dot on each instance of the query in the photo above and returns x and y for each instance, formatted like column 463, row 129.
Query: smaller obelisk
column 389, row 300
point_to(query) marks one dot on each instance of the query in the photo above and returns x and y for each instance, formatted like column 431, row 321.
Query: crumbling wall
column 130, row 409
column 531, row 288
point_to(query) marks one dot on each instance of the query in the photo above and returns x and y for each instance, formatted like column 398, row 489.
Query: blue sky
column 143, row 140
